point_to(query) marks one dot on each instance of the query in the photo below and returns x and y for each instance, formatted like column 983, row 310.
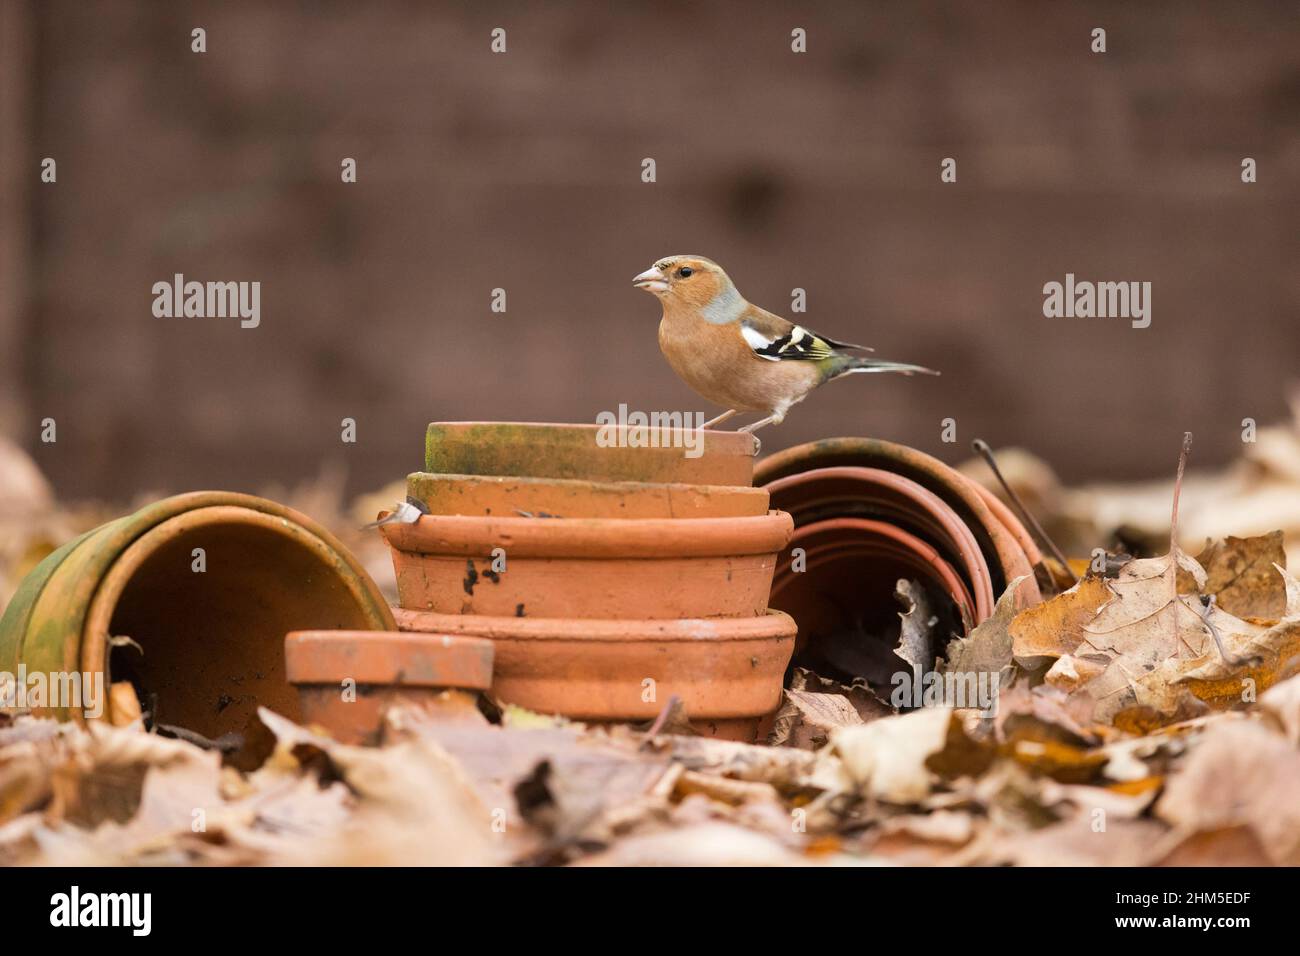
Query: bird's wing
column 776, row 339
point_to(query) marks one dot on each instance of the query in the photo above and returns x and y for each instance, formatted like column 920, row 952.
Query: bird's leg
column 776, row 418
column 755, row 426
column 720, row 419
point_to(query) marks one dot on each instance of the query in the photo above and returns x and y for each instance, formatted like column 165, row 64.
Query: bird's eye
column 685, row 272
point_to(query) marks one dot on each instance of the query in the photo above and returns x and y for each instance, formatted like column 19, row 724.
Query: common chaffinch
column 740, row 356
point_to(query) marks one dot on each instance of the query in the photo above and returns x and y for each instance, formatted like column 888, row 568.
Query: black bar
column 491, row 907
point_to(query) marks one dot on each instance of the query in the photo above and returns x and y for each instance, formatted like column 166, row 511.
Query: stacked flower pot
column 868, row 513
column 610, row 576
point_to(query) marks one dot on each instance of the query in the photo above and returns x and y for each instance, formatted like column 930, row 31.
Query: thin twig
column 664, row 714
column 1178, row 488
column 226, row 743
column 982, row 449
column 1172, row 570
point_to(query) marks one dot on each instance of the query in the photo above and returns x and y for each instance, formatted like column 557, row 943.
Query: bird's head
column 690, row 281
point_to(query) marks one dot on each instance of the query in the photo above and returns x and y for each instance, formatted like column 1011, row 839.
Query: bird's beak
column 652, row 280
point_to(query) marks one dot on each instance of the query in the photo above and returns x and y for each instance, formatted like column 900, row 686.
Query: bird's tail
column 850, row 364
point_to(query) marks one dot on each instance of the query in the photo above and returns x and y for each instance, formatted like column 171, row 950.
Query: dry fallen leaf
column 705, row 844
column 1054, row 628
column 1281, row 706
column 1154, row 647
column 929, row 839
column 1040, row 713
column 1239, row 573
column 987, row 649
column 1229, row 846
column 916, row 628
column 1076, row 841
column 889, row 759
column 1240, row 773
column 812, row 706
column 810, row 718
column 1248, row 658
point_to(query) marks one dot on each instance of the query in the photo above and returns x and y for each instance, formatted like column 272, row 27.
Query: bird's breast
column 715, row 361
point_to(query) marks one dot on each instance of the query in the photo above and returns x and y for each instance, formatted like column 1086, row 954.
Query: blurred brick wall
column 522, row 171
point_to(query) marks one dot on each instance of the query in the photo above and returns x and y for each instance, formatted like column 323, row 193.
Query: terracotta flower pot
column 485, row 495
column 844, row 492
column 540, row 450
column 1001, row 540
column 347, row 680
column 867, row 558
column 213, row 639
column 869, row 513
column 588, row 567
column 844, row 599
column 727, row 671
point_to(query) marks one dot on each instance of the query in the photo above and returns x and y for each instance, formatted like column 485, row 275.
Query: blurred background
column 522, row 171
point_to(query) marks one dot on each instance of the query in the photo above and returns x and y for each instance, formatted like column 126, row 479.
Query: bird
column 740, row 356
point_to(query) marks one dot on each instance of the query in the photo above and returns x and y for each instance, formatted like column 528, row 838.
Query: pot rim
column 568, row 450
column 394, row 658
column 1006, row 558
column 612, row 487
column 580, row 434
column 773, row 625
column 741, row 439
column 44, row 623
column 884, row 538
column 978, row 580
column 99, row 612
column 475, row 536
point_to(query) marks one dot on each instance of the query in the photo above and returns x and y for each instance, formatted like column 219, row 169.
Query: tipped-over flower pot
column 867, row 514
column 849, row 504
column 798, row 479
column 189, row 599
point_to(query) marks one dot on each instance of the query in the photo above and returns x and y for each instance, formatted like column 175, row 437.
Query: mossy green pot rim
column 46, row 626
